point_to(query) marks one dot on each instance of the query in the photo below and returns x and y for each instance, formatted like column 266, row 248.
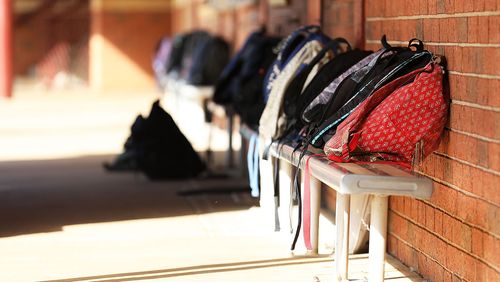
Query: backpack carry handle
column 419, row 45
column 343, row 40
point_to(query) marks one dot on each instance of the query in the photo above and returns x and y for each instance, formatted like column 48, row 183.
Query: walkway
column 63, row 217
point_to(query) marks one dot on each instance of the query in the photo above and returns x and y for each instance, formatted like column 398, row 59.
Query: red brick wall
column 455, row 235
column 344, row 18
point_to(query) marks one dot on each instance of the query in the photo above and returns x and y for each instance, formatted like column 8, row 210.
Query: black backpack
column 241, row 82
column 158, row 148
column 297, row 97
column 209, row 59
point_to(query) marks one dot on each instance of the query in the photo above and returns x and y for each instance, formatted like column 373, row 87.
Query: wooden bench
column 378, row 180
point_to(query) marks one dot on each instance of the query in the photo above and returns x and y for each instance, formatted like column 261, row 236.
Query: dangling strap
column 276, row 181
column 253, row 165
column 296, row 186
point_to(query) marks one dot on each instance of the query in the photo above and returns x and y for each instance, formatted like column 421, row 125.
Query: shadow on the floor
column 43, row 196
column 200, row 269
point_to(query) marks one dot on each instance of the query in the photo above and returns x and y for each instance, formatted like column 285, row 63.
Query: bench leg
column 315, row 189
column 230, row 151
column 342, row 212
column 285, row 190
column 378, row 235
column 267, row 201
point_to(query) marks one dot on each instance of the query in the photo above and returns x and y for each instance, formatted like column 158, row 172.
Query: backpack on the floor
column 157, row 147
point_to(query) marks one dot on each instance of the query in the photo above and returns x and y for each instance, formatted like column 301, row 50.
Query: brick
column 494, row 29
column 447, row 276
column 429, row 217
column 432, row 7
column 437, row 272
column 423, row 7
column 454, row 260
column 481, row 272
column 473, row 28
column 448, row 223
column 449, row 6
column 452, row 30
column 445, row 198
column 428, row 36
column 490, row 5
column 423, row 265
column 440, row 6
column 421, row 213
column 489, row 55
column 470, row 268
column 491, row 249
column 478, row 5
column 472, row 89
column 465, row 118
column 414, row 209
column 468, row 6
column 477, row 242
column 494, row 84
column 481, row 214
column 494, row 157
column 454, row 58
column 456, row 229
column 493, row 219
column 490, row 188
column 465, row 241
column 461, row 26
column 391, row 245
column 438, row 222
column 444, row 30
column 483, row 29
column 465, row 205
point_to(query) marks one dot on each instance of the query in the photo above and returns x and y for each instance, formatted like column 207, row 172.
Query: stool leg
column 267, row 201
column 315, row 189
column 378, row 235
column 230, row 151
column 342, row 212
column 285, row 192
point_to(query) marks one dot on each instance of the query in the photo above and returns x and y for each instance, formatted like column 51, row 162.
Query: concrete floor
column 63, row 218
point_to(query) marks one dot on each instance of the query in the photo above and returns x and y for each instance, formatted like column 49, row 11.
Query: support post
column 6, row 70
column 285, row 192
column 342, row 212
column 315, row 187
column 378, row 235
column 230, row 125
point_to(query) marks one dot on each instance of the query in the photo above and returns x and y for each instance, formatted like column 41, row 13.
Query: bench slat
column 352, row 178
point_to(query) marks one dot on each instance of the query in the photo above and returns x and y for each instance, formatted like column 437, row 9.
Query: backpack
column 361, row 84
column 272, row 123
column 161, row 150
column 402, row 121
column 287, row 49
column 183, row 48
column 298, row 96
column 161, row 61
column 312, row 112
column 241, row 81
column 208, row 61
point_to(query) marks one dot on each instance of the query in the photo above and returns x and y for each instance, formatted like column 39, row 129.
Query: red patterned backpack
column 402, row 121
